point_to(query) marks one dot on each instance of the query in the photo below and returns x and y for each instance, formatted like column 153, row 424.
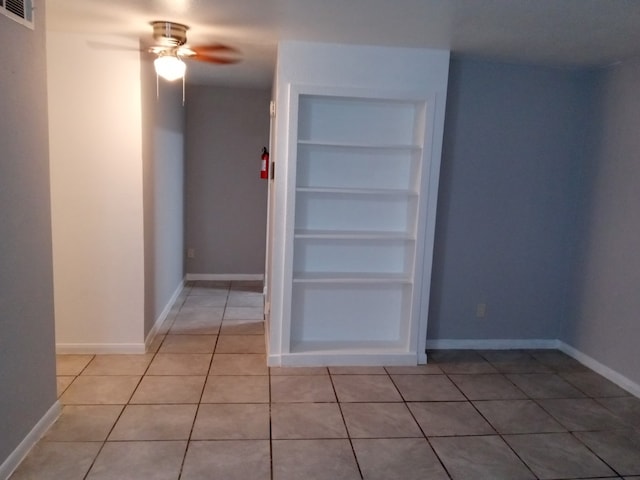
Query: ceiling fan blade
column 217, row 53
column 216, row 60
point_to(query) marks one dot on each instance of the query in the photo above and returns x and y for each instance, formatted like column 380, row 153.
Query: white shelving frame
column 353, row 279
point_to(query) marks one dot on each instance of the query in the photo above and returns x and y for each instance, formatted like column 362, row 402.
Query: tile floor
column 204, row 405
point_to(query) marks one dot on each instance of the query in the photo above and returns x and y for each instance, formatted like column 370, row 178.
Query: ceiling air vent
column 19, row 10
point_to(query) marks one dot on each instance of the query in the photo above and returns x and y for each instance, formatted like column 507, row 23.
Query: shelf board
column 342, row 347
column 372, row 146
column 358, row 191
column 353, row 235
column 350, row 277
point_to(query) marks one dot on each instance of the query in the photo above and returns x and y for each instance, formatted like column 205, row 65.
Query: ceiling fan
column 170, row 48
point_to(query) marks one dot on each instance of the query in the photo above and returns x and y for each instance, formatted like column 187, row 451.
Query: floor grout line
column 165, row 331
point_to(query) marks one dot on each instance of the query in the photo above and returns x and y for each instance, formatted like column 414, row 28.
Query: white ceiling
column 571, row 33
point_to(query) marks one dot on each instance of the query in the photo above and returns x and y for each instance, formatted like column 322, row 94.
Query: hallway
column 203, row 405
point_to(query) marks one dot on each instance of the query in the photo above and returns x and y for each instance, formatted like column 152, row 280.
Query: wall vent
column 19, row 10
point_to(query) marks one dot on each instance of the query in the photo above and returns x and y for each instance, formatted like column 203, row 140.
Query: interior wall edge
column 21, row 451
column 163, row 315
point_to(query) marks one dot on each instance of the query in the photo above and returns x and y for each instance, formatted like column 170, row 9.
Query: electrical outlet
column 191, row 253
column 481, row 310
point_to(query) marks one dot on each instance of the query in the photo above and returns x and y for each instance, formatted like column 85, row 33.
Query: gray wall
column 163, row 189
column 226, row 201
column 507, row 200
column 605, row 321
column 27, row 359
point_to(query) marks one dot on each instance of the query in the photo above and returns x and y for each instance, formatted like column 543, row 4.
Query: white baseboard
column 163, row 316
column 331, row 360
column 491, row 344
column 21, row 451
column 100, row 348
column 608, row 373
column 225, row 276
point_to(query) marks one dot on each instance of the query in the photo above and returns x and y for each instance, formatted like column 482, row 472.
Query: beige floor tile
column 244, row 313
column 138, row 460
column 169, row 389
column 155, row 344
column 242, row 327
column 293, row 371
column 449, row 418
column 557, row 361
column 307, row 420
column 310, row 388
column 201, row 313
column 514, row 361
column 118, row 365
column 518, row 416
column 195, row 325
column 209, row 287
column 544, row 385
column 487, row 387
column 180, row 364
column 164, row 327
column 430, row 369
column 57, row 461
column 215, row 300
column 229, row 459
column 62, row 383
column 239, row 364
column 188, row 344
column 398, row 459
column 479, row 458
column 620, row 449
column 245, row 299
column 379, row 420
column 594, row 385
column 71, row 364
column 241, row 344
column 357, row 371
column 365, row 388
column 232, row 422
column 84, row 423
column 427, row 388
column 581, row 414
column 314, row 459
column 236, row 389
column 99, row 390
column 557, row 455
column 154, row 422
column 461, row 361
column 626, row 408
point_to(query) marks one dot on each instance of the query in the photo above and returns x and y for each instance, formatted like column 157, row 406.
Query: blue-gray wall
column 27, row 360
column 513, row 143
column 537, row 213
column 226, row 201
column 605, row 321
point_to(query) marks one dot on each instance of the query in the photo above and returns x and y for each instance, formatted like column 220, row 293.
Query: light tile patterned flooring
column 204, row 405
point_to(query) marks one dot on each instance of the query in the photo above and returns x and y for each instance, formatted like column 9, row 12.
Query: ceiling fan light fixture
column 169, row 67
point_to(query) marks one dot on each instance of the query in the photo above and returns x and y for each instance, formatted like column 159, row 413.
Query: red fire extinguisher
column 264, row 169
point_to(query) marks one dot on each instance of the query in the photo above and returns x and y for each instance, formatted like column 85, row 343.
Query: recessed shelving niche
column 357, row 141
